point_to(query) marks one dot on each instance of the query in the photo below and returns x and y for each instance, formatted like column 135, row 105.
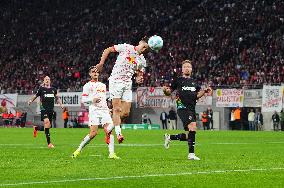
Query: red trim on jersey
column 114, row 48
column 84, row 94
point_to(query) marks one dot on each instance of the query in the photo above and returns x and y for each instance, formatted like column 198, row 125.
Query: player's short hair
column 91, row 67
column 145, row 39
column 186, row 61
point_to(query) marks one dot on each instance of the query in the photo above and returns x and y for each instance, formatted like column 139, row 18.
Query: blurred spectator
column 251, row 120
column 275, row 120
column 237, row 114
column 146, row 119
column 65, row 116
column 18, row 119
column 209, row 113
column 232, row 43
column 5, row 117
column 172, row 119
column 23, row 119
column 11, row 117
column 258, row 120
column 204, row 119
column 232, row 119
column 164, row 119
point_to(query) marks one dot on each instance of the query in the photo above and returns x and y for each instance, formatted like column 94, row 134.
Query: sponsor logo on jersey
column 101, row 90
column 186, row 88
column 48, row 95
column 131, row 60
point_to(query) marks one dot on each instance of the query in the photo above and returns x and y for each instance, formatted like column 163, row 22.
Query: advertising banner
column 229, row 98
column 272, row 98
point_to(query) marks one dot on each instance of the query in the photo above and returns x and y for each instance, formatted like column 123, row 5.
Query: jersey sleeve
column 86, row 98
column 39, row 92
column 198, row 88
column 55, row 91
column 120, row 47
column 174, row 84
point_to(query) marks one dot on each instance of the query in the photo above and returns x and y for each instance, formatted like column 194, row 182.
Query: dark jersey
column 187, row 90
column 47, row 97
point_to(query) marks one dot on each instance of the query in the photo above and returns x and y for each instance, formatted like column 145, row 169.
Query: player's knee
column 117, row 110
column 92, row 134
column 46, row 123
column 192, row 126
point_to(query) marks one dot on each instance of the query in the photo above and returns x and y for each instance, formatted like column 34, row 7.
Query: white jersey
column 127, row 62
column 93, row 90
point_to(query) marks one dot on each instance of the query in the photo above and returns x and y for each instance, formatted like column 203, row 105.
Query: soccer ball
column 155, row 43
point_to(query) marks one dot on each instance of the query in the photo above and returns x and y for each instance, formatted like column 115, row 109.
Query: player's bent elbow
column 109, row 50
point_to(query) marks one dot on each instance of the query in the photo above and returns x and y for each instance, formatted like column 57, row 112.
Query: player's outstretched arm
column 202, row 92
column 32, row 99
column 59, row 101
column 104, row 57
column 86, row 99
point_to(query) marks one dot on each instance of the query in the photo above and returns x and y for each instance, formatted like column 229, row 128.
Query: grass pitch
column 228, row 159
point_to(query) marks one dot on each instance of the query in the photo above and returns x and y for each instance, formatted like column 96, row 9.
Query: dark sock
column 39, row 128
column 174, row 137
column 47, row 135
column 181, row 137
column 191, row 141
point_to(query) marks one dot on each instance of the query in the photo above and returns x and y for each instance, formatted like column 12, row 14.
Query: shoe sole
column 192, row 159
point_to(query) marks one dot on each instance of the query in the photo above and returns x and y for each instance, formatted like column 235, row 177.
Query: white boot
column 167, row 141
column 191, row 156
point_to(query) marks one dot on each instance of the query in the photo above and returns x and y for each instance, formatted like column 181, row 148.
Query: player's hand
column 167, row 91
column 139, row 79
column 208, row 90
column 99, row 66
column 96, row 100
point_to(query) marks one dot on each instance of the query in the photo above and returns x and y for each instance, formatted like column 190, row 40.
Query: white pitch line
column 140, row 176
column 152, row 145
column 96, row 155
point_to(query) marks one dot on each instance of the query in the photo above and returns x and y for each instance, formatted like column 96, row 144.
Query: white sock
column 111, row 145
column 117, row 130
column 85, row 141
column 110, row 128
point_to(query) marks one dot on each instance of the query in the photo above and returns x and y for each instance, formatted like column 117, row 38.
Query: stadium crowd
column 232, row 43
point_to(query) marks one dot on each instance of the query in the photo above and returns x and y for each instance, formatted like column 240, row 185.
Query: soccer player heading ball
column 188, row 92
column 130, row 61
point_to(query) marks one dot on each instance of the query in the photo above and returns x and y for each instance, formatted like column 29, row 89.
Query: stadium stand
column 232, row 43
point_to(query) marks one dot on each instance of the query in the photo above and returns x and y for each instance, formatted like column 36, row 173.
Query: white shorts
column 120, row 90
column 99, row 117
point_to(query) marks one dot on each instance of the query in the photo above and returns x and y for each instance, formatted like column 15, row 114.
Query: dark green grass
column 27, row 162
